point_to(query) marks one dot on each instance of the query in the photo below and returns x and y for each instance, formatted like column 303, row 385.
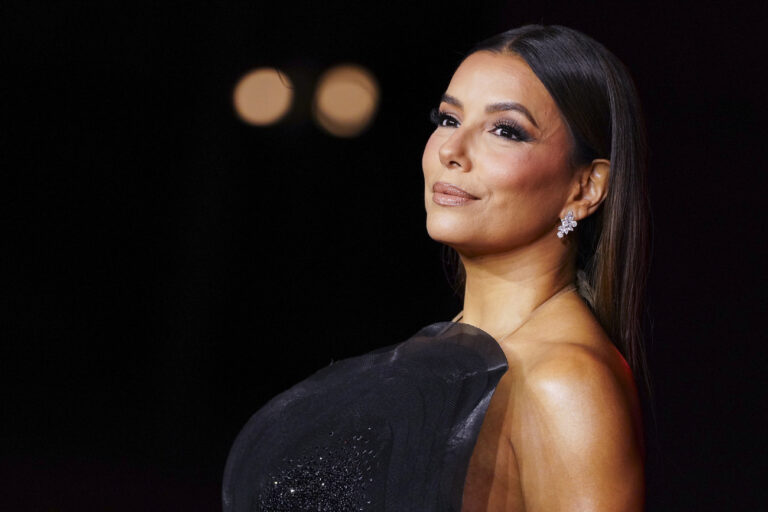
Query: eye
column 440, row 118
column 510, row 130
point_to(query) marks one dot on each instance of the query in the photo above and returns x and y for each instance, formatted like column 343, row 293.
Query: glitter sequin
column 333, row 478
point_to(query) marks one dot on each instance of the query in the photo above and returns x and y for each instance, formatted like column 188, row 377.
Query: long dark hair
column 599, row 103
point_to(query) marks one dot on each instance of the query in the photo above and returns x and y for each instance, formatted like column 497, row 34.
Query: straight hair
column 599, row 104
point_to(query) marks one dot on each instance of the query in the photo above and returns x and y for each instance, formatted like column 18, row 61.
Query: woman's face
column 496, row 170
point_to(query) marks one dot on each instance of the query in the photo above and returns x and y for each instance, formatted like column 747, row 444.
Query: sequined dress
column 391, row 430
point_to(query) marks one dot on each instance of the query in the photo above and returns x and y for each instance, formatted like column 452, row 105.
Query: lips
column 446, row 194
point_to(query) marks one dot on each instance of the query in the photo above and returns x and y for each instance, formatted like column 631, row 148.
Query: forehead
column 486, row 77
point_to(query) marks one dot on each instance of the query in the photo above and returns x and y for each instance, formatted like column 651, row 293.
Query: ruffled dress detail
column 391, row 430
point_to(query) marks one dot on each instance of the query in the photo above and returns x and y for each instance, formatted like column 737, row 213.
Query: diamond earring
column 566, row 225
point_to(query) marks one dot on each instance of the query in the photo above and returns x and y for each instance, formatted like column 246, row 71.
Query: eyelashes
column 440, row 118
column 505, row 128
column 511, row 130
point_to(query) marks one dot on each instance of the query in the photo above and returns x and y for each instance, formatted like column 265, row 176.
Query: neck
column 502, row 289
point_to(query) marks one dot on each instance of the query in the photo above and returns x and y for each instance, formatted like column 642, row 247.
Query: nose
column 453, row 152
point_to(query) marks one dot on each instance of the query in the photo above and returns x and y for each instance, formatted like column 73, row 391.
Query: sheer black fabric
column 392, row 430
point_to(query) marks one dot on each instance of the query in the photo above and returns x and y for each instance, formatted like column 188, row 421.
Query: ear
column 588, row 190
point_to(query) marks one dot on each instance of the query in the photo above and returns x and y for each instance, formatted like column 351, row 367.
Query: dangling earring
column 566, row 225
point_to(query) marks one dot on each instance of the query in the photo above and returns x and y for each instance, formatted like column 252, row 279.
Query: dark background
column 166, row 269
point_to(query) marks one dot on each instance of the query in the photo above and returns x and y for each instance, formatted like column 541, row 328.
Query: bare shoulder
column 568, row 371
column 592, row 384
column 569, row 364
column 576, row 433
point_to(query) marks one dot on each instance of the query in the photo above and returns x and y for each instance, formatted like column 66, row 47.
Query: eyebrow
column 495, row 107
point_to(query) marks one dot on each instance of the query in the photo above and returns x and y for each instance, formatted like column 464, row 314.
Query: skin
column 562, row 432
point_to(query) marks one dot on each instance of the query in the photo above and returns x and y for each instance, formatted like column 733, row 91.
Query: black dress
column 392, row 430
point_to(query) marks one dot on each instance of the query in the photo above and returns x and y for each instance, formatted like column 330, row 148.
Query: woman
column 535, row 176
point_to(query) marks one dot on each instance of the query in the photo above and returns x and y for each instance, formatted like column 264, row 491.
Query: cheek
column 525, row 174
column 430, row 158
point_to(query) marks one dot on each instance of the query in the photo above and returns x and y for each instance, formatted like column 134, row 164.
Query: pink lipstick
column 446, row 194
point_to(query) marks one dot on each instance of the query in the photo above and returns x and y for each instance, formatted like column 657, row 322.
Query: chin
column 448, row 231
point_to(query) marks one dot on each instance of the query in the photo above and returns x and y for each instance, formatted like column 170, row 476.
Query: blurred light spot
column 263, row 96
column 345, row 100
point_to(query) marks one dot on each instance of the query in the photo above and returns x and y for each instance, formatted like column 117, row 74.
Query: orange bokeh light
column 263, row 96
column 346, row 99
